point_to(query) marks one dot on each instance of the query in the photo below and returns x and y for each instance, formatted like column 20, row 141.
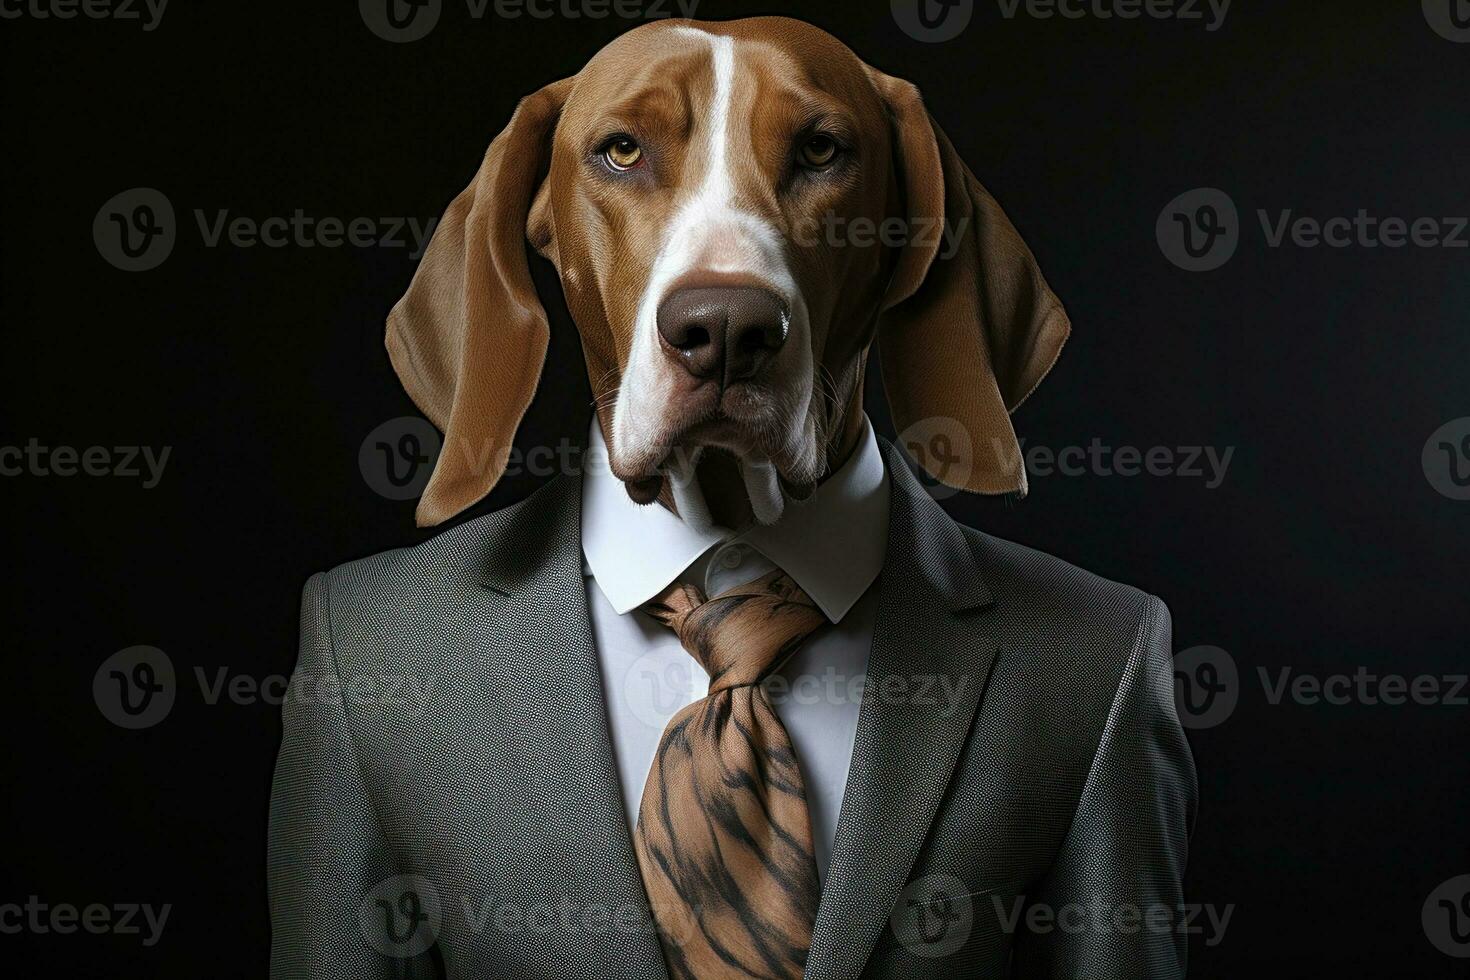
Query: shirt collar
column 832, row 544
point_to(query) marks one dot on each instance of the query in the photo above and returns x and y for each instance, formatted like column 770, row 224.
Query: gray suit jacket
column 446, row 803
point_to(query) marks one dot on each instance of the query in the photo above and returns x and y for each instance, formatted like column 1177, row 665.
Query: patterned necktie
column 724, row 839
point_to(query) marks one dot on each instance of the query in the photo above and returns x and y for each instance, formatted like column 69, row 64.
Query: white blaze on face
column 709, row 232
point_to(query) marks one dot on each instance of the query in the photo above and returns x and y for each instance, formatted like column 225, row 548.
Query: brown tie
column 724, row 840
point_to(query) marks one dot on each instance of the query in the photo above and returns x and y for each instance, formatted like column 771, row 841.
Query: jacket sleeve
column 1112, row 904
column 327, row 857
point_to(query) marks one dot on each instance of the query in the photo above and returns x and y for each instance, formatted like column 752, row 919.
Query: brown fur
column 963, row 338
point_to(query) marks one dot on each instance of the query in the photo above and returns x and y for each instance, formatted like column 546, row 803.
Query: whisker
column 606, row 398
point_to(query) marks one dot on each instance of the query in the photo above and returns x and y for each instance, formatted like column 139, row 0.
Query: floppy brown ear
column 969, row 326
column 469, row 337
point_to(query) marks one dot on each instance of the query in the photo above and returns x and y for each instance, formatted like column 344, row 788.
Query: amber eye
column 623, row 153
column 818, row 151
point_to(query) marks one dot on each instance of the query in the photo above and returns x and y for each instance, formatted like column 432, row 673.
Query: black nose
column 723, row 333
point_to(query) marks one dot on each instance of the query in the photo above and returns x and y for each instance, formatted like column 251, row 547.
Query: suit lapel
column 536, row 584
column 910, row 732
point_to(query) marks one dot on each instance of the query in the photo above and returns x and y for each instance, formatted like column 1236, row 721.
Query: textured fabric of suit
column 446, row 804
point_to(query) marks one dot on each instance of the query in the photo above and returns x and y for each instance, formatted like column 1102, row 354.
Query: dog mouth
column 745, row 421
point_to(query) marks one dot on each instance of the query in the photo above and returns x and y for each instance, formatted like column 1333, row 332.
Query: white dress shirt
column 832, row 544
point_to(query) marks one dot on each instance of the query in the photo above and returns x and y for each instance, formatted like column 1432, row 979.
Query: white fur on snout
column 709, row 232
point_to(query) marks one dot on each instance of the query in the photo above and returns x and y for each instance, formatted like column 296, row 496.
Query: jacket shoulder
column 414, row 587
column 1072, row 646
column 1038, row 579
column 1069, row 622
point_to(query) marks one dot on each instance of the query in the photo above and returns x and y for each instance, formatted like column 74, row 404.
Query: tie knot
column 742, row 634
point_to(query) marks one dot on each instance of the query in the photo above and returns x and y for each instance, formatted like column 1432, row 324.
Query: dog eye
column 818, row 151
column 622, row 153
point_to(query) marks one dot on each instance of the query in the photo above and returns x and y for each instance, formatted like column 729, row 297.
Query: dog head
column 737, row 212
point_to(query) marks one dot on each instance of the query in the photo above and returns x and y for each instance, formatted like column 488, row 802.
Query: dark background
column 1325, row 549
